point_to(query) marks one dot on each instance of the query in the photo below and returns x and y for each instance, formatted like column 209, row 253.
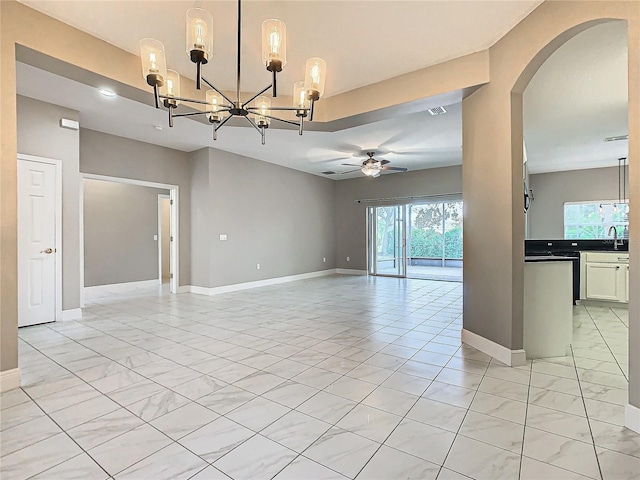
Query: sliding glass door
column 417, row 241
column 387, row 241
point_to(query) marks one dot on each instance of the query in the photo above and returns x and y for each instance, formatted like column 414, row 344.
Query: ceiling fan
column 372, row 167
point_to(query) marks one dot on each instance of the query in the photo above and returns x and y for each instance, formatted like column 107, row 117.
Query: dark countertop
column 548, row 258
column 538, row 247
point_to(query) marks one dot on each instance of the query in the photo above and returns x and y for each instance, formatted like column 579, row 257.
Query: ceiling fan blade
column 395, row 169
column 351, row 165
column 350, row 171
column 328, row 160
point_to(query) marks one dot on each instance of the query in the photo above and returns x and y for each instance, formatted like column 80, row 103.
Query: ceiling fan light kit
column 372, row 167
column 218, row 107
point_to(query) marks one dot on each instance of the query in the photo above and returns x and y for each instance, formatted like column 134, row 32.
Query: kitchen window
column 592, row 220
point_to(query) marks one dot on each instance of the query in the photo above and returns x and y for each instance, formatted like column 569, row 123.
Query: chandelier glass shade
column 217, row 106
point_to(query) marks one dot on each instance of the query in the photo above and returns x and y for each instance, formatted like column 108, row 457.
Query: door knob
column 48, row 250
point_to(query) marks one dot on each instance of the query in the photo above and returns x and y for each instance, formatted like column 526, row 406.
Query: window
column 592, row 220
column 436, row 230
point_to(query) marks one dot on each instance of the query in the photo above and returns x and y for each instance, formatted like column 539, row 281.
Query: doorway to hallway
column 416, row 240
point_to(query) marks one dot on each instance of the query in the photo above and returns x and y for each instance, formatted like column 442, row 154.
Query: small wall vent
column 437, row 110
column 617, row 139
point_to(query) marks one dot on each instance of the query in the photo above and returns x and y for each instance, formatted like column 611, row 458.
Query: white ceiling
column 577, row 98
column 363, row 42
column 439, row 137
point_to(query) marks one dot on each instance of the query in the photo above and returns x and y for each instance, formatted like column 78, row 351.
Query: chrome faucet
column 615, row 237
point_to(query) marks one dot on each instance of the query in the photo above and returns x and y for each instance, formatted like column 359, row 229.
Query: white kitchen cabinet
column 606, row 276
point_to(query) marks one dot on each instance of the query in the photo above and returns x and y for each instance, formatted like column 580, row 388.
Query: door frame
column 174, row 224
column 58, row 228
column 372, row 254
column 161, row 197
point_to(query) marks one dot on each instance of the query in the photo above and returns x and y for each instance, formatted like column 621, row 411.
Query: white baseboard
column 71, row 314
column 350, row 271
column 184, row 289
column 119, row 287
column 9, row 379
column 632, row 418
column 256, row 284
column 513, row 358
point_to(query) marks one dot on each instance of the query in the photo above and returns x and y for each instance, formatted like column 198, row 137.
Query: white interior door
column 38, row 185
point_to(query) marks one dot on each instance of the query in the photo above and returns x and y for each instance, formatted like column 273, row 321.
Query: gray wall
column 552, row 190
column 281, row 218
column 351, row 222
column 113, row 156
column 201, row 225
column 120, row 221
column 40, row 134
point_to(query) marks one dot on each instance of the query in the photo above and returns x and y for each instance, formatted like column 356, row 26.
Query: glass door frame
column 400, row 241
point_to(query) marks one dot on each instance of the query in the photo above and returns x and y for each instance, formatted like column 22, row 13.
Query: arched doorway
column 492, row 180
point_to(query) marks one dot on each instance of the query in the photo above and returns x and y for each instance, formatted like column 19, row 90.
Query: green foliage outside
column 592, row 220
column 428, row 221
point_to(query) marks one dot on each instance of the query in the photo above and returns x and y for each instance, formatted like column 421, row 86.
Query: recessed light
column 158, row 127
column 107, row 93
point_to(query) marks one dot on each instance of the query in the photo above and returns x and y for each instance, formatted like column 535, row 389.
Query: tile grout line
column 69, row 436
column 172, row 441
column 462, row 423
column 604, row 340
column 338, row 421
column 355, row 433
column 584, row 405
column 526, row 413
column 342, row 375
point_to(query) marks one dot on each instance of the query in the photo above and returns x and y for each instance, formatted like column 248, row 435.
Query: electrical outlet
column 348, row 259
column 223, row 237
column 155, row 237
column 324, row 259
column 258, row 266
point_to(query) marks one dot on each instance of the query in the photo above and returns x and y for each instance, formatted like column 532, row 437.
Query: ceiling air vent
column 437, row 111
column 328, row 172
column 616, row 139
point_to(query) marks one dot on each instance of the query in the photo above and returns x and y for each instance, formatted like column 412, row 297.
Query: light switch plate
column 223, row 237
column 155, row 237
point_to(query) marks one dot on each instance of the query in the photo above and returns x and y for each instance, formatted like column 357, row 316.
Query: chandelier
column 218, row 107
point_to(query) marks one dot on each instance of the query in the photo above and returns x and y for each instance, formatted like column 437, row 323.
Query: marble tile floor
column 329, row 378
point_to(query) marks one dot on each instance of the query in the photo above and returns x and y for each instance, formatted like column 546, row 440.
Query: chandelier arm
column 275, row 90
column 223, row 95
column 156, row 95
column 256, row 96
column 175, row 115
column 189, row 114
column 182, row 99
column 219, row 126
column 283, row 109
column 254, row 125
column 290, row 122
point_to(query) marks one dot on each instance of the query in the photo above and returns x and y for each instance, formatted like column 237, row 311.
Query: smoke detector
column 437, row 110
